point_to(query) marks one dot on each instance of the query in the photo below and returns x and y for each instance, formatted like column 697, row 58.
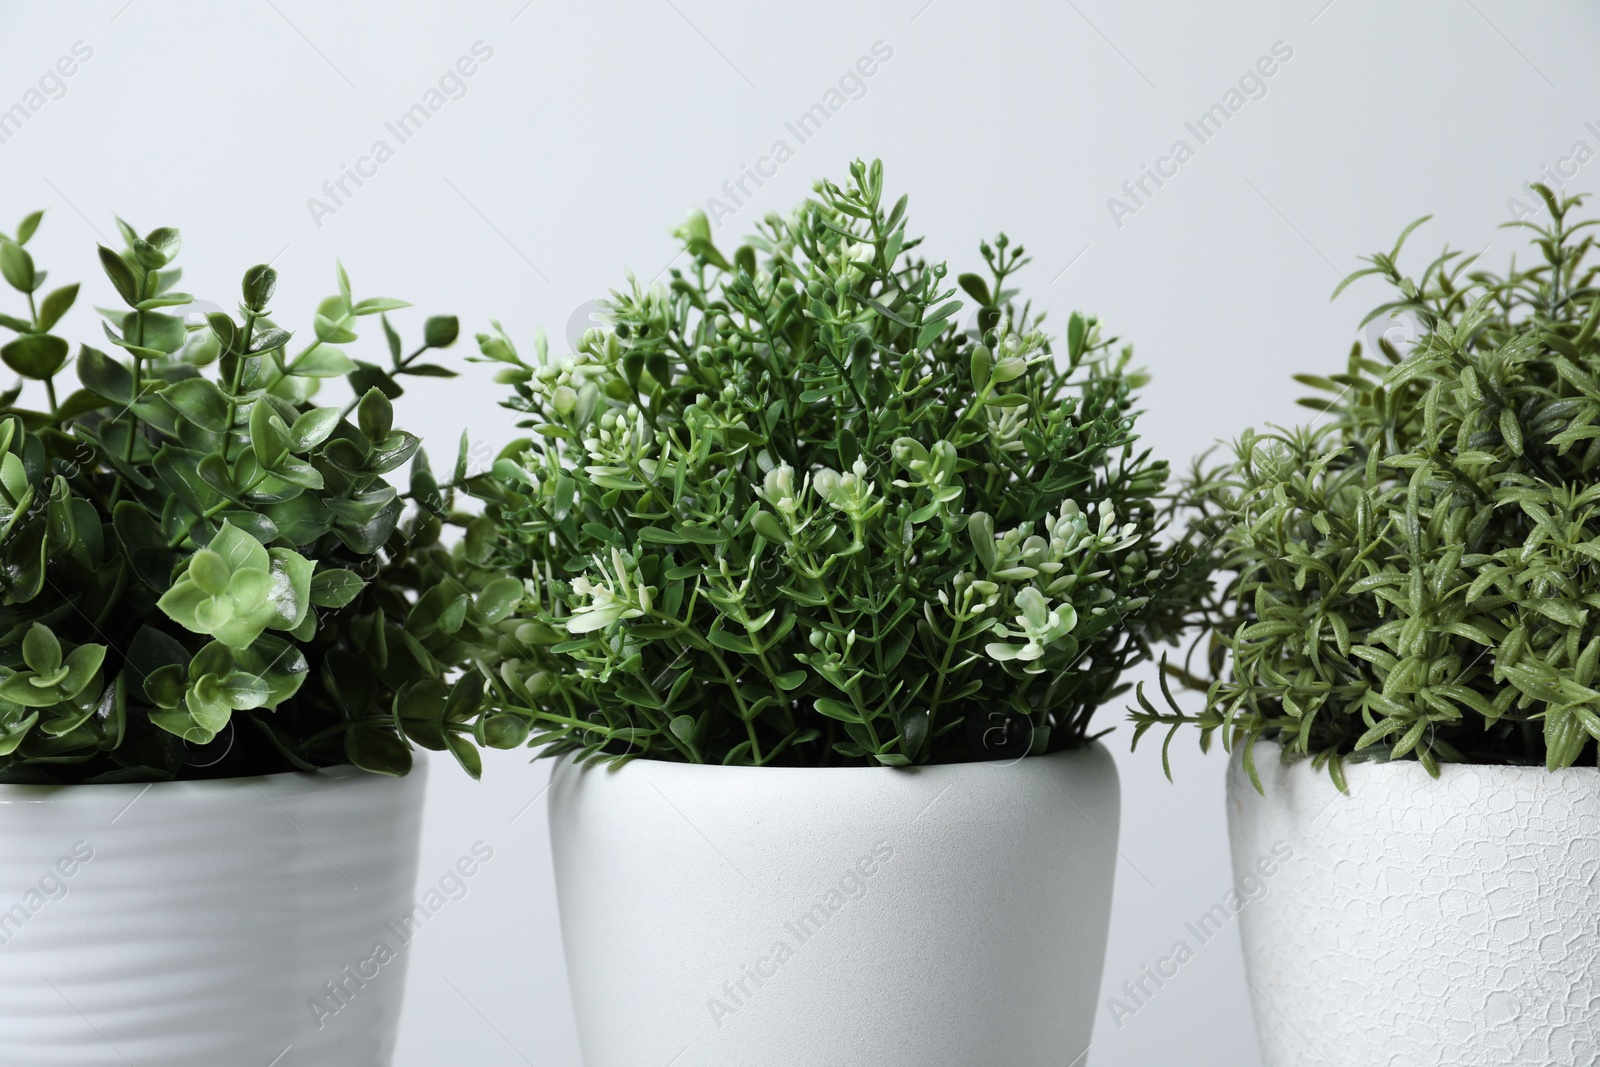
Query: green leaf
column 1077, row 331
column 291, row 598
column 165, row 240
column 244, row 691
column 660, row 536
column 12, row 735
column 165, row 300
column 143, row 544
column 930, row 332
column 392, row 452
column 441, row 331
column 452, row 617
column 766, row 524
column 330, row 332
column 40, row 649
column 981, row 363
column 335, row 588
column 375, row 415
column 699, row 535
column 498, row 598
column 225, row 331
column 980, row 531
column 164, row 686
column 57, row 304
column 430, row 370
column 140, row 351
column 268, row 340
column 28, row 226
column 260, row 282
column 466, row 755
column 276, row 662
column 1512, row 431
column 835, row 710
column 201, row 402
column 35, row 355
column 180, row 723
column 311, row 428
column 366, row 376
column 377, row 749
column 504, row 731
column 976, row 288
column 19, row 689
column 792, row 680
column 121, row 275
column 683, row 728
column 378, row 304
column 731, row 642
column 104, row 376
column 268, row 435
column 17, row 267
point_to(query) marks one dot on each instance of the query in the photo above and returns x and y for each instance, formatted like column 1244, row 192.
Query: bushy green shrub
column 204, row 574
column 1417, row 574
column 785, row 508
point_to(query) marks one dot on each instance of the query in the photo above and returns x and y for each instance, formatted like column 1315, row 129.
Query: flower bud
column 826, row 481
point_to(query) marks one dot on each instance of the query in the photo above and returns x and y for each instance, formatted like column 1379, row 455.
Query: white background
column 593, row 127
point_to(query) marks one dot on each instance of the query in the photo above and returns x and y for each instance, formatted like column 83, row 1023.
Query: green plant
column 784, row 509
column 1419, row 575
column 187, row 540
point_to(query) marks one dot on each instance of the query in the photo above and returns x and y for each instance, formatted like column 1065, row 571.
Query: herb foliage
column 204, row 574
column 1417, row 574
column 786, row 509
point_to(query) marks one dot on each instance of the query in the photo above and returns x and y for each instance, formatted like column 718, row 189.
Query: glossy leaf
column 35, row 355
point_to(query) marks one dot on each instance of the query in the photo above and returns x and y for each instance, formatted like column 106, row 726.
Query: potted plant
column 809, row 569
column 1414, row 610
column 221, row 632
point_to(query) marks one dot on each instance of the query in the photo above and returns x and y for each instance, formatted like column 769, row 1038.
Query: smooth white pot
column 197, row 924
column 1418, row 922
column 947, row 916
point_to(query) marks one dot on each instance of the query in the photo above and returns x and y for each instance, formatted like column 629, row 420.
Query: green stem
column 279, row 373
column 944, row 669
column 866, row 720
column 698, row 642
column 138, row 384
column 236, row 380
column 767, row 668
column 665, row 729
column 117, row 586
column 402, row 365
column 216, row 509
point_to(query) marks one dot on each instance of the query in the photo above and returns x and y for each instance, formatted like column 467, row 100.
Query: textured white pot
column 1422, row 923
column 946, row 916
column 196, row 924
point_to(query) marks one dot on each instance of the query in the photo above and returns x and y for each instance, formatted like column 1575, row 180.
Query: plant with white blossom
column 782, row 508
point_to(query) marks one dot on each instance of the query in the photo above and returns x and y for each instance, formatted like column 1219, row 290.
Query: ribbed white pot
column 1421, row 923
column 199, row 924
column 946, row 916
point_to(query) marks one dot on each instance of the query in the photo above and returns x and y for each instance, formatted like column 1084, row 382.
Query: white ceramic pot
column 946, row 916
column 1421, row 923
column 199, row 924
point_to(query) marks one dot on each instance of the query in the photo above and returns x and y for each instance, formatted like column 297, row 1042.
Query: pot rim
column 568, row 759
column 1401, row 766
column 280, row 783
